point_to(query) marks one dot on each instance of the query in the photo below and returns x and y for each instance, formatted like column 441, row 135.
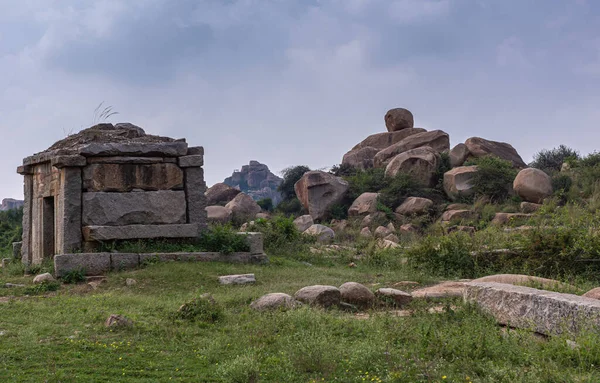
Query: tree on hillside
column 551, row 160
column 291, row 175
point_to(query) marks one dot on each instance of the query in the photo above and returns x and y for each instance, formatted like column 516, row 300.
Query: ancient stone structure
column 110, row 183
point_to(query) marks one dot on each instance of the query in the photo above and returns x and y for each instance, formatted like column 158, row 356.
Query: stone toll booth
column 110, row 183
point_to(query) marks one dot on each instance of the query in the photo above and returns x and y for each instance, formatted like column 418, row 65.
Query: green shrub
column 74, row 276
column 266, row 204
column 222, row 239
column 201, row 310
column 443, row 167
column 551, row 160
column 280, row 235
column 493, row 178
column 11, row 229
column 42, row 288
column 291, row 175
column 291, row 206
column 447, row 255
column 397, row 189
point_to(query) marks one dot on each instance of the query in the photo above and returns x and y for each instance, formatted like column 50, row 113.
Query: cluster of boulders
column 227, row 204
column 415, row 151
column 350, row 295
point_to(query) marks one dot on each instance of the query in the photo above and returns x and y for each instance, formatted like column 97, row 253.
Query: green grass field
column 60, row 336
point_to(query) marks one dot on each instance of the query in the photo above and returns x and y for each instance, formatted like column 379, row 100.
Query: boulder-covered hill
column 256, row 180
column 10, row 203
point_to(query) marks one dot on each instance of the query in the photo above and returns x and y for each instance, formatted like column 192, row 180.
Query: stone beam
column 108, row 233
column 166, row 149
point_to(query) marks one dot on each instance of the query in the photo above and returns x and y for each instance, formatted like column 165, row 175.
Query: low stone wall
column 100, row 263
column 542, row 311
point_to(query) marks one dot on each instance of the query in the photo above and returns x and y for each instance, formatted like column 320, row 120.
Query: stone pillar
column 69, row 237
column 27, row 205
column 195, row 187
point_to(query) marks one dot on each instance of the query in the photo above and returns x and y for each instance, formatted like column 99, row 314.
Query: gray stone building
column 110, row 182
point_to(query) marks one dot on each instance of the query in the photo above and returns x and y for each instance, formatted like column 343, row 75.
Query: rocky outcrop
column 220, row 194
column 318, row 191
column 533, row 185
column 545, row 312
column 480, row 147
column 524, row 280
column 303, row 222
column 458, row 155
column 381, row 141
column 365, row 204
column 218, row 214
column 243, row 208
column 321, row 232
column 458, row 182
column 360, row 158
column 398, row 119
column 257, row 181
column 437, row 140
column 10, row 203
column 414, row 206
column 421, row 163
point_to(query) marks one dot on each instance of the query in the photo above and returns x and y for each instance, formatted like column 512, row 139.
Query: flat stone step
column 542, row 311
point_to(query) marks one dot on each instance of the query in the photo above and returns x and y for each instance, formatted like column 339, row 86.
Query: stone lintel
column 90, row 263
column 542, row 311
column 195, row 150
column 131, row 160
column 68, row 161
column 107, row 233
column 255, row 241
column 25, row 170
column 163, row 149
column 193, row 161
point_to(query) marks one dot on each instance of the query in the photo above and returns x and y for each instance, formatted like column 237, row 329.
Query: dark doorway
column 48, row 227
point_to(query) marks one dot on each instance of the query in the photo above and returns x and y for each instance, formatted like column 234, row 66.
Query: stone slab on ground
column 106, row 233
column 442, row 290
column 238, row 279
column 542, row 311
column 90, row 263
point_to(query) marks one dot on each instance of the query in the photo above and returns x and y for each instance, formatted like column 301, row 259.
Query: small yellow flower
column 444, row 377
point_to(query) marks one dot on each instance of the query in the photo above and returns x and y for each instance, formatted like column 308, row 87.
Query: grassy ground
column 60, row 336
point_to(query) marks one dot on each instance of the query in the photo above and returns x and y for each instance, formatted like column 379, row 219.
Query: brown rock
column 274, row 301
column 420, row 163
column 303, row 222
column 458, row 181
column 372, row 218
column 339, row 225
column 220, row 194
column 318, row 191
column 504, row 218
column 243, row 208
column 321, row 232
column 397, row 297
column 454, row 215
column 529, row 207
column 593, row 293
column 414, row 206
column 409, row 228
column 365, row 204
column 361, row 158
column 118, row 321
column 383, row 140
column 464, row 229
column 319, row 295
column 457, row 206
column 458, row 155
column 356, row 294
column 441, row 290
column 480, row 147
column 218, row 214
column 366, row 232
column 398, row 119
column 533, row 185
column 382, row 232
column 392, row 237
column 435, row 139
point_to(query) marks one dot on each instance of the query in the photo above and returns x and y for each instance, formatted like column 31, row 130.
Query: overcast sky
column 290, row 82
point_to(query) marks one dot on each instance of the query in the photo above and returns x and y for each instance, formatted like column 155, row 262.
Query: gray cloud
column 297, row 82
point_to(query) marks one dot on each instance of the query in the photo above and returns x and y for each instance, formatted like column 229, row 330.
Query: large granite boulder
column 319, row 295
column 318, row 191
column 437, row 140
column 365, row 204
column 303, row 222
column 321, row 232
column 533, row 185
column 421, row 163
column 274, row 301
column 480, row 147
column 218, row 214
column 525, row 280
column 458, row 182
column 545, row 312
column 398, row 119
column 356, row 294
column 243, row 207
column 458, row 155
column 220, row 193
column 414, row 206
column 360, row 158
column 383, row 140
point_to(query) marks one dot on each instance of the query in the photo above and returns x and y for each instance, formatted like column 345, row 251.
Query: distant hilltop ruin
column 256, row 180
